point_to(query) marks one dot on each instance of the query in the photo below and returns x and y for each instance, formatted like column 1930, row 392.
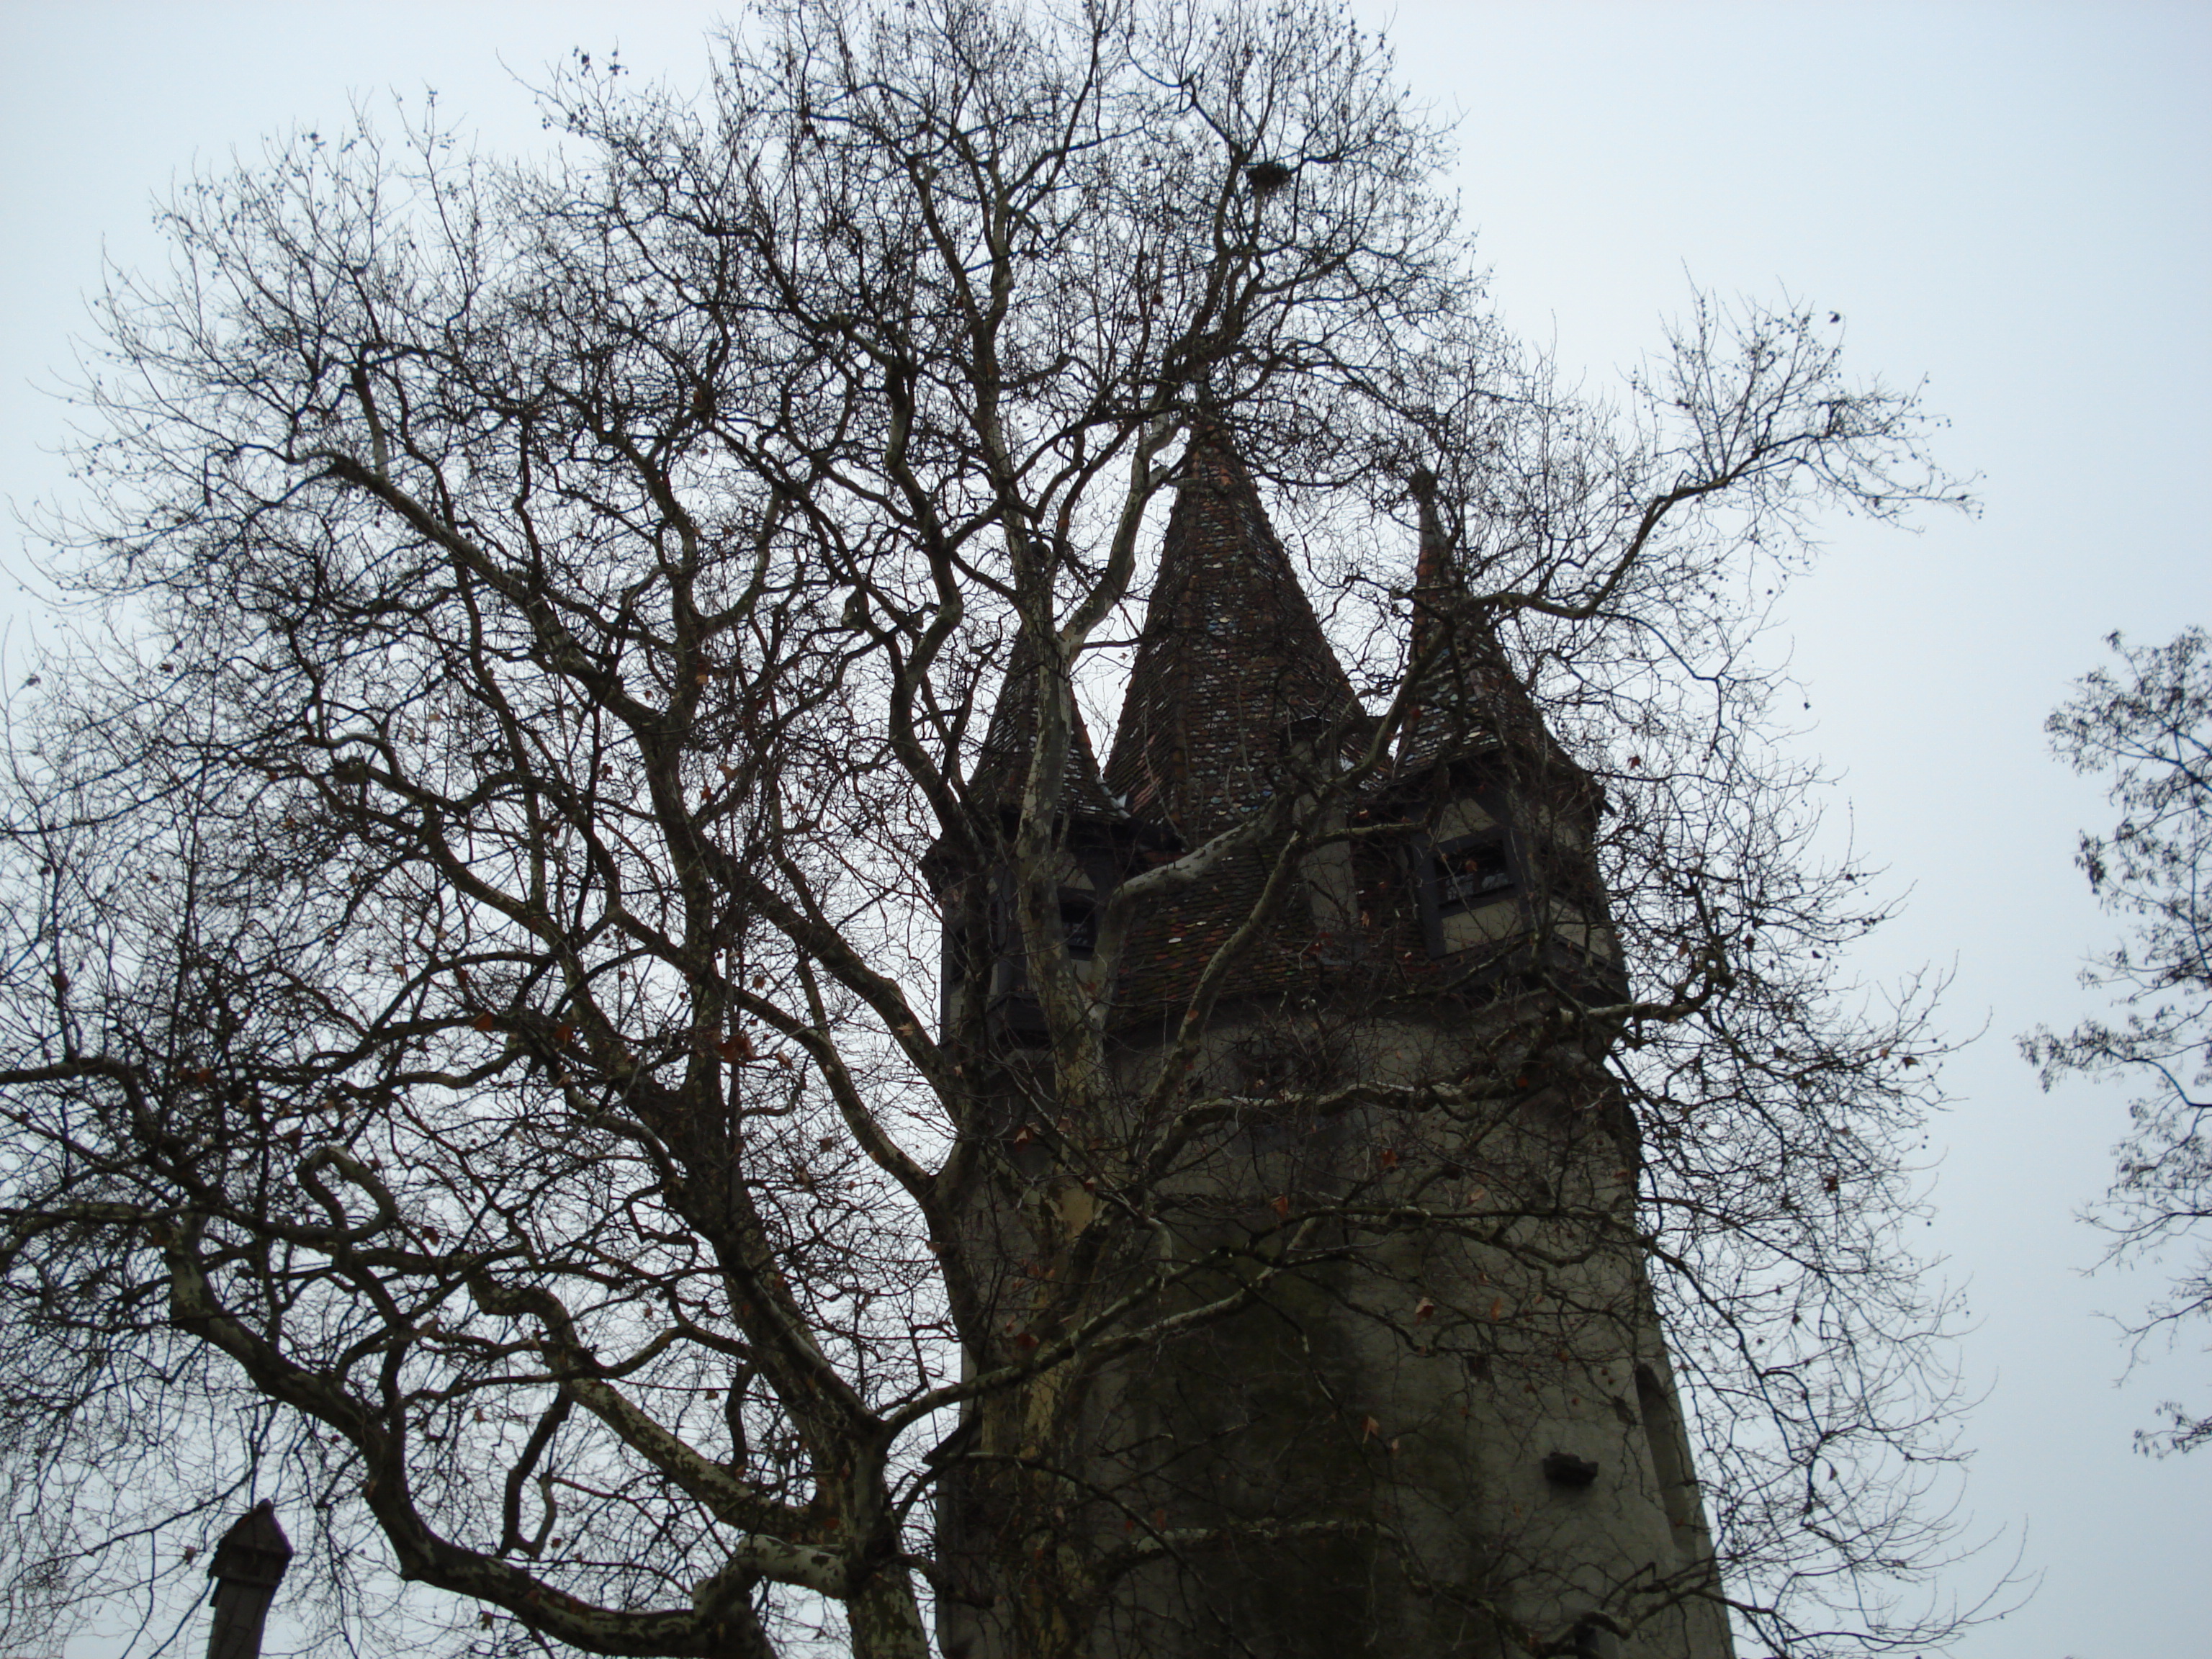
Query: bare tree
column 2149, row 728
column 478, row 915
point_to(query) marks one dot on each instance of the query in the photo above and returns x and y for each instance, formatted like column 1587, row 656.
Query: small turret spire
column 1466, row 696
column 1003, row 766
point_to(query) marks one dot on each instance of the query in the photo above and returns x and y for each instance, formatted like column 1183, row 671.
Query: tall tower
column 1402, row 1389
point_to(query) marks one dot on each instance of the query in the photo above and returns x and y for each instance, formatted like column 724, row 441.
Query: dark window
column 1079, row 920
column 1472, row 870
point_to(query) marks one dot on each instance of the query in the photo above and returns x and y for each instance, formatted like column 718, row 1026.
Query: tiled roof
column 1002, row 766
column 1232, row 672
column 1467, row 700
column 1232, row 667
column 1233, row 675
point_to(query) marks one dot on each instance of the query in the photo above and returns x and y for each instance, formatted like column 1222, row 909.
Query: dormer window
column 1472, row 870
column 1079, row 922
column 1471, row 890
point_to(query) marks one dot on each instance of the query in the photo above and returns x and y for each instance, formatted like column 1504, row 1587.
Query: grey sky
column 2013, row 201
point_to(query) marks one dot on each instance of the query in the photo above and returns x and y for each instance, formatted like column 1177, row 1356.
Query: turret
column 1505, row 867
column 985, row 981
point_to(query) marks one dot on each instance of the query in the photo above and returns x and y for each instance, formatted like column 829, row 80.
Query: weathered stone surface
column 1450, row 1429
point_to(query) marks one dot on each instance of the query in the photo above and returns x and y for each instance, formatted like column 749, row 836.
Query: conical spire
column 1467, row 698
column 1002, row 768
column 1232, row 668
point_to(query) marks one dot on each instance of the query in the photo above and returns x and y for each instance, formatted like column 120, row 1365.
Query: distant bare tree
column 472, row 1047
column 2149, row 727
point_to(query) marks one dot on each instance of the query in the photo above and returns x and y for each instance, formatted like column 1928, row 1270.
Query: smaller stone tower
column 1363, row 1059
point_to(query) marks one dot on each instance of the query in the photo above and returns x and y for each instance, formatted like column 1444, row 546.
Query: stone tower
column 1400, row 1387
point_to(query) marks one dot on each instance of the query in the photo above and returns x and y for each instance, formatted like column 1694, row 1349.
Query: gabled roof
column 1232, row 667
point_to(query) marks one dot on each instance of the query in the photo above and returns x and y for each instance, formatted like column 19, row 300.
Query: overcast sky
column 2010, row 201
